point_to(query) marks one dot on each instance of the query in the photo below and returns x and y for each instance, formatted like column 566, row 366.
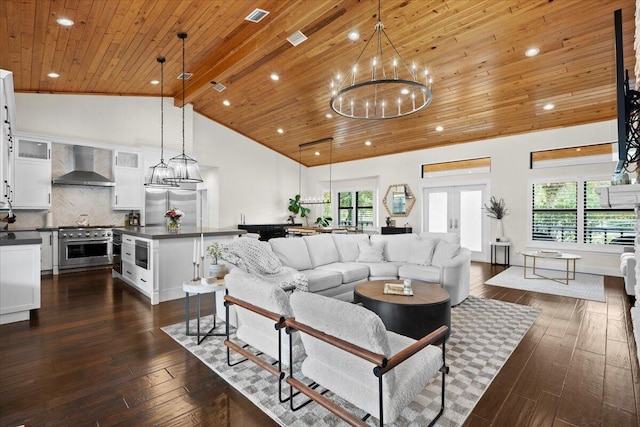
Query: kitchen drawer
column 144, row 279
column 129, row 271
column 128, row 253
column 127, row 238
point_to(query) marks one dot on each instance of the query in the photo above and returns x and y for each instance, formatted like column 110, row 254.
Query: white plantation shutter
column 603, row 226
column 555, row 211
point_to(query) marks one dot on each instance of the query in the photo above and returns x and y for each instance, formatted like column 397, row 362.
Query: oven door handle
column 85, row 240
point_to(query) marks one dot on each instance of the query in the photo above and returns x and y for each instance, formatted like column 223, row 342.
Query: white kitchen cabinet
column 31, row 174
column 7, row 124
column 46, row 251
column 129, row 180
column 19, row 281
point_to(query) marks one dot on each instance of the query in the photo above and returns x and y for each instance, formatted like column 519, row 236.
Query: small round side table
column 198, row 288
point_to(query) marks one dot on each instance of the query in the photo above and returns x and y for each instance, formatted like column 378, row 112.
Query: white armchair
column 350, row 353
column 261, row 309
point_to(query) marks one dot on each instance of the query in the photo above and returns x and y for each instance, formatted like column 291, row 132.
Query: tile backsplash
column 71, row 201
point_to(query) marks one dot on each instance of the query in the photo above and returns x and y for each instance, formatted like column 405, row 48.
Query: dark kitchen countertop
column 25, row 237
column 159, row 232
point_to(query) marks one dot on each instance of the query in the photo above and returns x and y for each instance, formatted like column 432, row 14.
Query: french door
column 458, row 209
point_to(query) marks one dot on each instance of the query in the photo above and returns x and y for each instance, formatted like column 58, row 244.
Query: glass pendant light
column 161, row 175
column 185, row 168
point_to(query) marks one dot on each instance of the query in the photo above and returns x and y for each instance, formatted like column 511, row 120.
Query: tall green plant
column 296, row 208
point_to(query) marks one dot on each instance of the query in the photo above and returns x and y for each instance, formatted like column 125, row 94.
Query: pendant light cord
column 184, row 36
column 161, row 61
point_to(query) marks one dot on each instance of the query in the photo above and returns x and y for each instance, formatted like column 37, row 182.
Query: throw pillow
column 444, row 252
column 421, row 251
column 370, row 253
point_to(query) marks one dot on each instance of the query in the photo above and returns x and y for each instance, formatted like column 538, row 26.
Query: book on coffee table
column 396, row 289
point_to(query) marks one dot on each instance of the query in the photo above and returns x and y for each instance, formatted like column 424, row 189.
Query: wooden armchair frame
column 279, row 324
column 382, row 366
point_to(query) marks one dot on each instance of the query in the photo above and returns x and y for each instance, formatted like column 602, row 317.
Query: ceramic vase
column 217, row 270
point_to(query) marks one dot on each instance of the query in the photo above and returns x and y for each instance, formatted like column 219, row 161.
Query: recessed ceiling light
column 317, row 153
column 439, row 128
column 154, row 82
column 275, row 76
column 404, row 91
column 53, row 75
column 532, row 51
column 367, row 143
column 65, row 22
column 353, row 35
column 226, row 102
column 328, row 115
column 280, row 130
column 548, row 106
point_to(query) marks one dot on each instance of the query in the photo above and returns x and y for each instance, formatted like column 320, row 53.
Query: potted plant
column 215, row 252
column 295, row 207
column 388, row 220
column 497, row 209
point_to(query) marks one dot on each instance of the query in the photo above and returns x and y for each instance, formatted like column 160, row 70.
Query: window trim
column 578, row 246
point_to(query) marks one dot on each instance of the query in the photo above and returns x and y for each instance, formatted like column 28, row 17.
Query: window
column 604, row 226
column 355, row 208
column 570, row 212
column 555, row 211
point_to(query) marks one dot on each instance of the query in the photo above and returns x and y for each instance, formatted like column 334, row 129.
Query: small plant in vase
column 215, row 252
column 497, row 209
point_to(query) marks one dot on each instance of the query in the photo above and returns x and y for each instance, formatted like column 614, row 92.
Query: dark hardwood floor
column 94, row 354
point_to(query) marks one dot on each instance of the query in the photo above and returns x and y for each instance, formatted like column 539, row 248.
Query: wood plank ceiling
column 484, row 85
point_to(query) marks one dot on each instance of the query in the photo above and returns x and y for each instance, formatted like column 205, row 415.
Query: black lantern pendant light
column 161, row 175
column 184, row 167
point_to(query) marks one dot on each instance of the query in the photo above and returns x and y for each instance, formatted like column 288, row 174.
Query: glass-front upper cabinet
column 33, row 149
column 126, row 159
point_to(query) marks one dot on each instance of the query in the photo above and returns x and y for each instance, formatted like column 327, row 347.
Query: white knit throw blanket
column 256, row 257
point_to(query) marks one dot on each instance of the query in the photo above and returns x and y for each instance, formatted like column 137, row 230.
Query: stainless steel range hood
column 83, row 170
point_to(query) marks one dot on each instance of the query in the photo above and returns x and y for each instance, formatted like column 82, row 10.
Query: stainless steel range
column 81, row 247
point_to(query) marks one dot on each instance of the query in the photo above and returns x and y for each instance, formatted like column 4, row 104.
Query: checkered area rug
column 483, row 336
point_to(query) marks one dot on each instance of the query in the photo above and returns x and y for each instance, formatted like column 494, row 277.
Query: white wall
column 252, row 179
column 509, row 178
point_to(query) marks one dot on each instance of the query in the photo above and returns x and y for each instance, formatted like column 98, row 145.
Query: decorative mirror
column 399, row 200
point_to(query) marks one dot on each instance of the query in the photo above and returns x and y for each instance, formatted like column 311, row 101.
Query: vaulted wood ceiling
column 484, row 85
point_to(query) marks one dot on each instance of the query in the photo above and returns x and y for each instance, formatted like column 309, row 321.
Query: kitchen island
column 19, row 274
column 156, row 262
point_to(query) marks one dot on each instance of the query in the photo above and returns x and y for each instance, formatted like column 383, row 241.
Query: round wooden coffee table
column 413, row 316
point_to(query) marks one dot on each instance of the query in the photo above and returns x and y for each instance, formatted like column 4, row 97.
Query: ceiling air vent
column 185, row 76
column 296, row 38
column 256, row 15
column 218, row 86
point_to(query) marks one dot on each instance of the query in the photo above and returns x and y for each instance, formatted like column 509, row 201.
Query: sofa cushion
column 370, row 252
column 419, row 272
column 292, row 252
column 444, row 252
column 321, row 249
column 421, row 251
column 447, row 237
column 347, row 245
column 396, row 247
column 350, row 271
column 383, row 270
column 319, row 280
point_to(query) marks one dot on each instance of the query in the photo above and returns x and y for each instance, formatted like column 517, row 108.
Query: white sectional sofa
column 335, row 263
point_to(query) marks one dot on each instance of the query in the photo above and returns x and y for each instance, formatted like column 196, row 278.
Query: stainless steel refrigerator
column 158, row 201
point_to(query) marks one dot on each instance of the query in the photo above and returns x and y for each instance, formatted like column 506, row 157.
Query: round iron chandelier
column 385, row 88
